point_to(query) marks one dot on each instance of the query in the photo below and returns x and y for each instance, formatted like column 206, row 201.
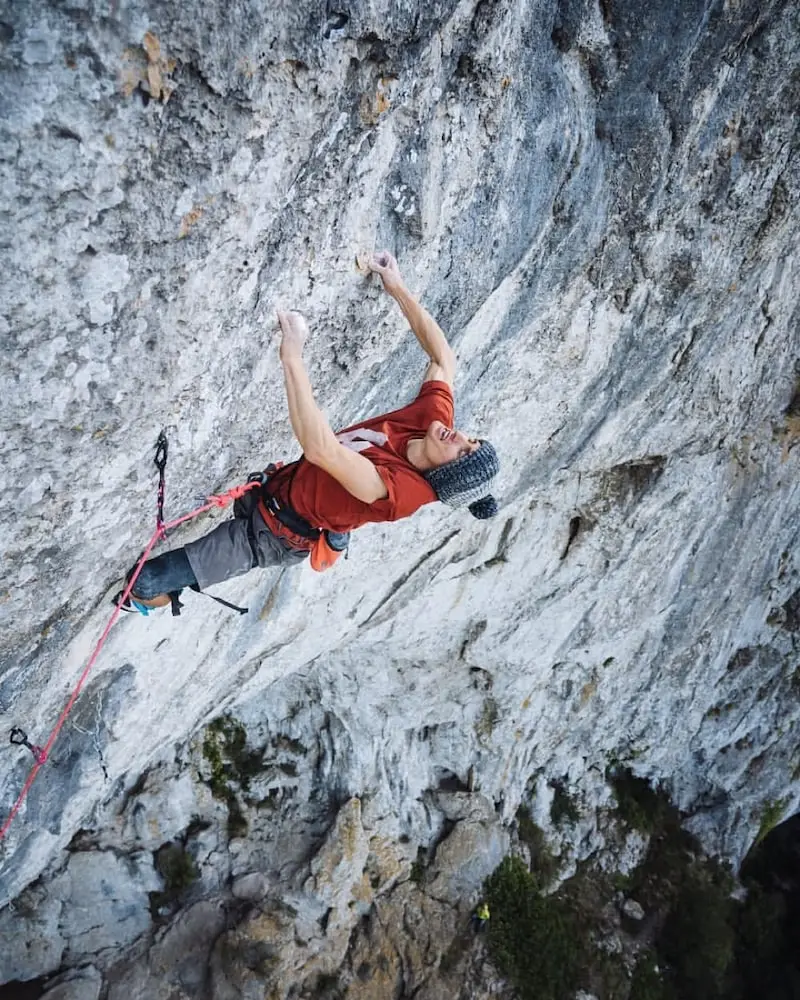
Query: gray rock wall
column 599, row 204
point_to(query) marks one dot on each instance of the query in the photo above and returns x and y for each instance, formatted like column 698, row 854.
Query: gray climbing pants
column 237, row 546
column 232, row 548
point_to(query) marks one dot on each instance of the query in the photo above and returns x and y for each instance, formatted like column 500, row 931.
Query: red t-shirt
column 325, row 503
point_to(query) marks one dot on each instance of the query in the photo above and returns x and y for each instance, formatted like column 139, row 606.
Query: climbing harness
column 18, row 736
column 323, row 545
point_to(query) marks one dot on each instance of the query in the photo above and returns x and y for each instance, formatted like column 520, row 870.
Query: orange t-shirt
column 315, row 495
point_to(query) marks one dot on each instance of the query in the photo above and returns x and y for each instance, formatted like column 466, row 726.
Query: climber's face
column 444, row 444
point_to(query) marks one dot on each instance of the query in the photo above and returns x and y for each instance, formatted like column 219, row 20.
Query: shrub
column 533, row 939
column 230, row 763
column 761, row 945
column 647, row 982
column 698, row 936
column 639, row 806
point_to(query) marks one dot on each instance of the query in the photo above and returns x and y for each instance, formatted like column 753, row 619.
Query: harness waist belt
column 288, row 517
column 284, row 523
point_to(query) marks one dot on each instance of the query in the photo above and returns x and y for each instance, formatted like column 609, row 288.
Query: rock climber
column 480, row 916
column 380, row 469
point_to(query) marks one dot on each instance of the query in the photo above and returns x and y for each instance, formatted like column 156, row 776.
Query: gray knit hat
column 465, row 482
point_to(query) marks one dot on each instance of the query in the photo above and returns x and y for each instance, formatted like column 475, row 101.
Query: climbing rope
column 18, row 736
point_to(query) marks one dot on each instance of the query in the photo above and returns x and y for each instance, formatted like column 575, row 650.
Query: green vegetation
column 178, row 870
column 564, row 808
column 697, row 942
column 771, row 815
column 484, row 727
column 225, row 749
column 647, row 983
column 534, row 940
column 544, row 865
column 230, row 763
column 762, row 939
column 639, row 806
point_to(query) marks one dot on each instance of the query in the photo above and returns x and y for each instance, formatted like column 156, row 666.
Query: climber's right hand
column 384, row 264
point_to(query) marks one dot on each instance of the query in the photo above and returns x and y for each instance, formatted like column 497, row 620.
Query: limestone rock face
column 599, row 204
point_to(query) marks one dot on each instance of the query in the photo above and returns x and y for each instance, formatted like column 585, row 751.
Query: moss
column 225, row 747
column 563, row 808
column 639, row 806
column 178, row 870
column 771, row 814
column 533, row 940
column 230, row 764
column 484, row 727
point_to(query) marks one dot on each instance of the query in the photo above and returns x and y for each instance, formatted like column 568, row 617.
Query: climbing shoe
column 130, row 604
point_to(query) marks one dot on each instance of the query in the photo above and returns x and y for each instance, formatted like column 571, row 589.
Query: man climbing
column 380, row 469
column 480, row 917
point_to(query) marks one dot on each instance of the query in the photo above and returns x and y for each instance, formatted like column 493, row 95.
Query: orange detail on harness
column 323, row 556
column 288, row 525
column 281, row 531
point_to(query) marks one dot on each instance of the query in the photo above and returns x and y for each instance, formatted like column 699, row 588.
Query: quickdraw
column 20, row 739
column 160, row 461
column 19, row 736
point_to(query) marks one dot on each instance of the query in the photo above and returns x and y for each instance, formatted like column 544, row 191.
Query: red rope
column 221, row 500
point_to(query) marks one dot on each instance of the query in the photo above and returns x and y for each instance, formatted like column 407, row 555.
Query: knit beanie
column 465, row 482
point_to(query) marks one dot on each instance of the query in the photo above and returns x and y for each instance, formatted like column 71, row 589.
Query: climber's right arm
column 430, row 335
